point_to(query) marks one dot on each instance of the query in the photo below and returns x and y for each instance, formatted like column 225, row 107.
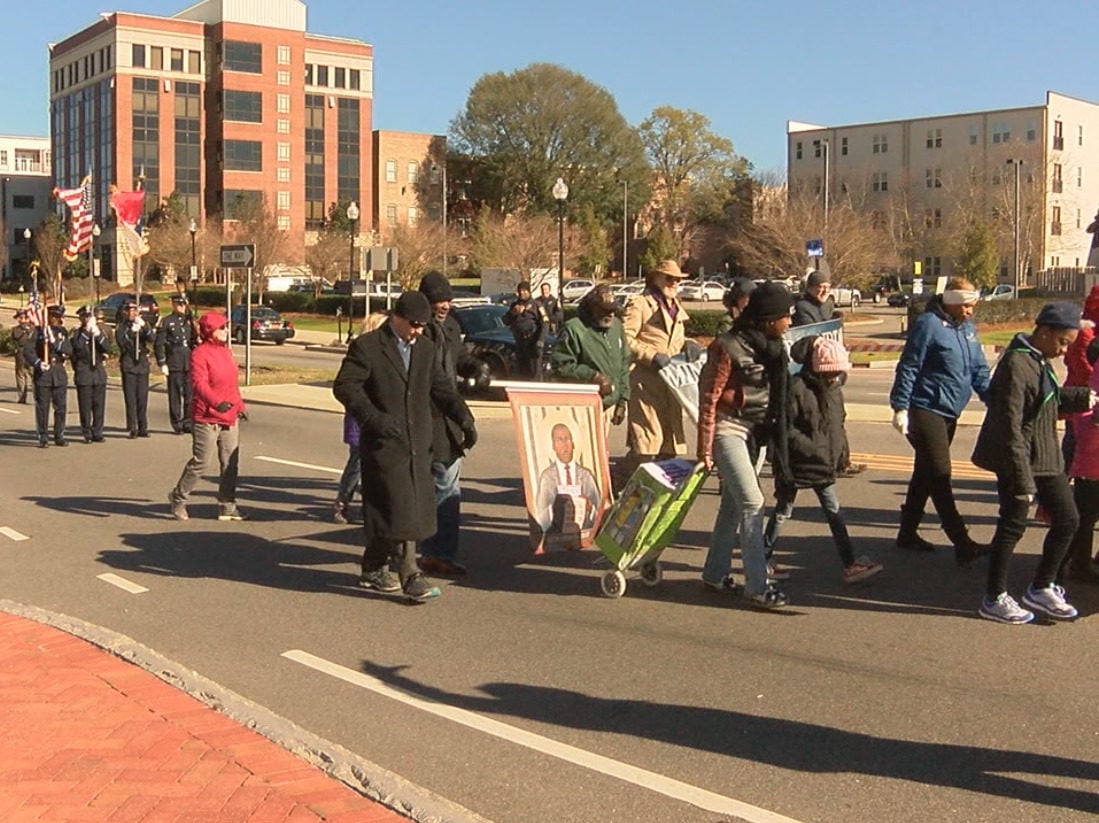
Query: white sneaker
column 1051, row 601
column 1004, row 609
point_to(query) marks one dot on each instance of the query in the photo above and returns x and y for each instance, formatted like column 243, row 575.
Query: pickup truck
column 846, row 296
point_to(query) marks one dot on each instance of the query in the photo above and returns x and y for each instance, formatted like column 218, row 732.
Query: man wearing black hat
column 529, row 328
column 175, row 339
column 24, row 374
column 46, row 352
column 389, row 381
column 439, row 552
column 133, row 337
column 91, row 348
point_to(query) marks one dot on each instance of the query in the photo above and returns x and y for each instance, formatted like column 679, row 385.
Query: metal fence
column 1067, row 281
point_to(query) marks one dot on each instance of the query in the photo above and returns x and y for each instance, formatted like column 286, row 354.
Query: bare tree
column 517, row 242
column 250, row 220
column 419, row 248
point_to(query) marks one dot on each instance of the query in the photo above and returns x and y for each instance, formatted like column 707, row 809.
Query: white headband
column 959, row 297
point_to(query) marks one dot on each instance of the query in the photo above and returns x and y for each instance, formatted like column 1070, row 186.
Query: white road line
column 8, row 411
column 670, row 787
column 12, row 534
column 122, row 583
column 312, row 466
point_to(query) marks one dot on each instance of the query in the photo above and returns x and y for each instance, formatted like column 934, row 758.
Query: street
column 524, row 695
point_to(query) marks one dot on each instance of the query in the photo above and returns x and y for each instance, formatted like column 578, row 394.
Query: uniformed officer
column 175, row 338
column 133, row 337
column 529, row 328
column 47, row 351
column 91, row 348
column 24, row 374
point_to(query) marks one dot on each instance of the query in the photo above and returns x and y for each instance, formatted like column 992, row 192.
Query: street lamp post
column 96, row 231
column 27, row 243
column 444, row 218
column 625, row 236
column 1017, row 257
column 560, row 194
column 353, row 217
column 193, row 229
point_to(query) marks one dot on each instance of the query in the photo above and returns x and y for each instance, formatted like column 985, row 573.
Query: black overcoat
column 372, row 384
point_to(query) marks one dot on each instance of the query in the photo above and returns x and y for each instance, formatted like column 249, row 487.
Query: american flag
column 79, row 202
column 35, row 312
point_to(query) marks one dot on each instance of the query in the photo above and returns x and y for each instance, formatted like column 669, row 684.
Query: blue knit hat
column 1059, row 316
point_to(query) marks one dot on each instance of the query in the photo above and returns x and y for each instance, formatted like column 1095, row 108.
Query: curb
column 357, row 773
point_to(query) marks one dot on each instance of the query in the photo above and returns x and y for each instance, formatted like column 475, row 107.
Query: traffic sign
column 381, row 258
column 238, row 257
column 814, row 248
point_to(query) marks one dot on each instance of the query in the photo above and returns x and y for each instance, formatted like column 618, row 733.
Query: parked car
column 846, row 296
column 114, row 304
column 490, row 341
column 573, row 290
column 702, row 290
column 899, row 299
column 625, row 292
column 311, row 288
column 267, row 324
column 1004, row 291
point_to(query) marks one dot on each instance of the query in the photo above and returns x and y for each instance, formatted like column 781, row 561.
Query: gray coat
column 372, row 384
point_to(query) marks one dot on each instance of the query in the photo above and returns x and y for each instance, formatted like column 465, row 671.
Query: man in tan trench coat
column 654, row 324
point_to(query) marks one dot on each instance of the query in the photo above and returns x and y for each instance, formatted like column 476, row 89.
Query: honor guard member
column 175, row 338
column 47, row 351
column 24, row 374
column 91, row 348
column 133, row 338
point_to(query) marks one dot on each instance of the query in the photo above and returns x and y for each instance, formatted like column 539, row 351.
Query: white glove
column 900, row 421
column 164, row 370
column 1093, row 400
column 139, row 324
column 93, row 328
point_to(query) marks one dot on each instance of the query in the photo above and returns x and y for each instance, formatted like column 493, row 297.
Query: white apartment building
column 925, row 173
column 26, row 181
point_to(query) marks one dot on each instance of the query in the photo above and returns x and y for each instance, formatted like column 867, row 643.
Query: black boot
column 966, row 549
column 907, row 536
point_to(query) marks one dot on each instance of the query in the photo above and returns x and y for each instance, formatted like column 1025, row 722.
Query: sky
column 747, row 66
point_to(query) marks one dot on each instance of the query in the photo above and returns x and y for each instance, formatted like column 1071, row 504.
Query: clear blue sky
column 748, row 66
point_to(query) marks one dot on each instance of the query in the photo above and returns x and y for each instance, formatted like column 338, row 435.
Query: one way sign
column 238, row 257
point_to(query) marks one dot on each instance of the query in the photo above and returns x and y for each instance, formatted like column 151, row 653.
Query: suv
column 113, row 306
column 267, row 324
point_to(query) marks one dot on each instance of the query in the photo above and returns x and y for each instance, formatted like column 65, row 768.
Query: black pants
column 399, row 554
column 1085, row 493
column 179, row 400
column 91, row 400
column 528, row 361
column 135, row 392
column 931, row 435
column 1056, row 495
column 44, row 397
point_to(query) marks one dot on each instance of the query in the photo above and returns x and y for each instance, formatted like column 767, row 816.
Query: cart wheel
column 613, row 584
column 651, row 573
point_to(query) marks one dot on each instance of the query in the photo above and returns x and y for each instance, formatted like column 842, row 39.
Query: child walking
column 816, row 446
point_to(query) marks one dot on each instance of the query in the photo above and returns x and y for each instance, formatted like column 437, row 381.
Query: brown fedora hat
column 669, row 268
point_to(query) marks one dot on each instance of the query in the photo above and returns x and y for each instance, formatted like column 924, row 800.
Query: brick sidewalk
column 90, row 737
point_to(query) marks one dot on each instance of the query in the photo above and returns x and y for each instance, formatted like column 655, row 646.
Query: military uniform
column 175, row 338
column 133, row 337
column 47, row 351
column 24, row 374
column 91, row 348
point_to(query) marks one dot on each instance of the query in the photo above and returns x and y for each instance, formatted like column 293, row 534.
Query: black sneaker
column 770, row 598
column 914, row 543
column 380, row 580
column 419, row 588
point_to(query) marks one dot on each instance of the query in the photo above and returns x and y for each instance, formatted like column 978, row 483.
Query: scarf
column 771, row 353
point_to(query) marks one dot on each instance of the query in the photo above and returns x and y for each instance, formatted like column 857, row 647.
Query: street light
column 1017, row 262
column 444, row 217
column 27, row 241
column 96, row 231
column 193, row 229
column 352, row 216
column 560, row 194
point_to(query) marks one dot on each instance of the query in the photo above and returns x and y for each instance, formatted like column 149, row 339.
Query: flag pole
column 138, row 256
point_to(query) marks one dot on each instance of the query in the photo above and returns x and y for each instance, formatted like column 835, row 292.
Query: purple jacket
column 351, row 431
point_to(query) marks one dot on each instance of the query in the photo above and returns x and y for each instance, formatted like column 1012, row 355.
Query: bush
column 1022, row 310
column 7, row 346
column 705, row 323
column 291, row 301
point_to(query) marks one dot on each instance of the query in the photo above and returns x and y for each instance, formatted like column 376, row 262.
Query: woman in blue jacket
column 942, row 365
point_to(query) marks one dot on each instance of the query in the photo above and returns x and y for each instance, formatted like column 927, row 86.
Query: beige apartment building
column 26, row 182
column 926, row 173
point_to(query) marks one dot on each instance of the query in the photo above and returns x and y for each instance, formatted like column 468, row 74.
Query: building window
column 341, row 77
column 282, row 55
column 413, row 215
column 283, row 150
column 391, row 214
column 932, row 266
column 934, row 138
column 138, row 59
column 348, row 141
column 933, row 218
column 22, row 201
column 283, row 78
column 188, row 139
column 1058, row 183
column 4, row 158
column 1055, row 221
column 880, row 144
column 241, row 56
column 1001, row 132
column 879, row 181
column 194, row 62
column 1031, row 132
column 309, row 74
column 1058, row 135
column 974, row 133
column 797, row 150
column 391, row 171
column 354, row 77
column 241, row 203
column 282, row 174
column 843, row 146
column 322, row 76
column 314, row 161
column 284, row 222
column 934, row 178
column 1079, row 177
column 413, row 170
column 1080, row 135
column 817, row 148
column 156, row 58
column 282, row 200
column 1079, row 217
column 243, row 106
column 177, row 60
column 282, row 103
column 243, row 155
column 145, row 135
column 282, row 125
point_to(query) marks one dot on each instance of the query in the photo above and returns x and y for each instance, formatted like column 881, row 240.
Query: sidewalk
column 91, row 737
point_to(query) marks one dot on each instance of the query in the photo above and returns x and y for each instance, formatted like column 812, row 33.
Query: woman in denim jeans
column 742, row 404
column 352, row 478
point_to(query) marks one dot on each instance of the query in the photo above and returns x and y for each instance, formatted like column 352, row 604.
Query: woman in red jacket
column 215, row 409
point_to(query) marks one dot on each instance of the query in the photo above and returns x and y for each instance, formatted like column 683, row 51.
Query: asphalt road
column 524, row 695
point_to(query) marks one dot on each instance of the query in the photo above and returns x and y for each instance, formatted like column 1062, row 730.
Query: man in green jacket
column 592, row 348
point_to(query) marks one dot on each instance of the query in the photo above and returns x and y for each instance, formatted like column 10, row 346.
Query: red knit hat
column 829, row 356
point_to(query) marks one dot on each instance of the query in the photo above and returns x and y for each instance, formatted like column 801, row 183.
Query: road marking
column 668, row 786
column 294, row 463
column 12, row 534
column 8, row 411
column 122, row 583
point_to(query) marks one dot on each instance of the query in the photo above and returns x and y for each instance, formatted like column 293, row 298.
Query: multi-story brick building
column 408, row 178
column 223, row 103
column 929, row 172
column 26, row 181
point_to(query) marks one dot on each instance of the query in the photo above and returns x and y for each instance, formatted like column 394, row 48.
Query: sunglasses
column 416, row 325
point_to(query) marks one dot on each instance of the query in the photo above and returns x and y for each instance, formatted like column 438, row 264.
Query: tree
column 518, row 242
column 418, row 249
column 250, row 220
column 661, row 244
column 975, row 255
column 697, row 173
column 522, row 131
column 330, row 256
column 593, row 255
column 48, row 243
column 169, row 235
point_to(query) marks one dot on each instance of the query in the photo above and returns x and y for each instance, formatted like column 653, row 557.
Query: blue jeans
column 448, row 511
column 829, row 504
column 741, row 510
column 352, row 478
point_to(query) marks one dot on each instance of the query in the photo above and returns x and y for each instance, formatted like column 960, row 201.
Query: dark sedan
column 490, row 341
column 267, row 324
column 113, row 306
column 899, row 299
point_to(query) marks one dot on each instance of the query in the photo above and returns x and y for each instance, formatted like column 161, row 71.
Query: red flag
column 82, row 220
column 129, row 206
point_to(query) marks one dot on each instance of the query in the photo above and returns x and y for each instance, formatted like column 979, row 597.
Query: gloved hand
column 692, row 351
column 386, row 426
column 469, row 440
column 139, row 324
column 164, row 369
column 242, row 415
column 619, row 414
column 223, row 406
column 93, row 328
column 900, row 421
column 1025, row 498
column 1093, row 400
column 604, row 383
column 483, row 377
column 39, row 367
column 661, row 360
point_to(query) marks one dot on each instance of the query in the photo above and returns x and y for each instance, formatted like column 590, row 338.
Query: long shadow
column 785, row 744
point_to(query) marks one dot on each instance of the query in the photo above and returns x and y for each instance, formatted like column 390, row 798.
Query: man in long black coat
column 389, row 381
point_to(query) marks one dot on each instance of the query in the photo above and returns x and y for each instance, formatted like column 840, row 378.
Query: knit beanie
column 829, row 356
column 769, row 301
column 436, row 288
column 1059, row 316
